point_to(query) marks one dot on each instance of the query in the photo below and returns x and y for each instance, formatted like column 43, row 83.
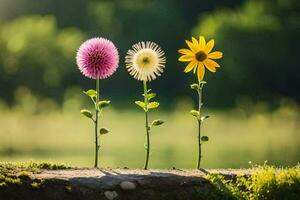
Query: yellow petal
column 215, row 55
column 209, row 46
column 186, row 58
column 211, row 65
column 195, row 42
column 202, row 42
column 191, row 46
column 186, row 51
column 195, row 68
column 201, row 71
column 190, row 66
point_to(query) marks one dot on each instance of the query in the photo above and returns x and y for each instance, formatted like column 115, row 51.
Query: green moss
column 48, row 165
column 35, row 185
column 23, row 174
column 3, row 184
column 14, row 181
column 265, row 183
column 68, row 189
column 11, row 167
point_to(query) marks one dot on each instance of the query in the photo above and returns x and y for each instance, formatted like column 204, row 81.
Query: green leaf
column 91, row 93
column 150, row 96
column 204, row 118
column 86, row 113
column 153, row 105
column 195, row 113
column 204, row 138
column 103, row 131
column 195, row 86
column 103, row 104
column 140, row 103
column 157, row 122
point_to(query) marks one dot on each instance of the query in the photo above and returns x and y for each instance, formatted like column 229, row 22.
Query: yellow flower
column 200, row 56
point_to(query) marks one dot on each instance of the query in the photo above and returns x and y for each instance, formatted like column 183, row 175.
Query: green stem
column 147, row 124
column 199, row 124
column 96, row 124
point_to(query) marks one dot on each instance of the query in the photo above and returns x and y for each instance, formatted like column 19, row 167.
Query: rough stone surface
column 112, row 184
column 110, row 195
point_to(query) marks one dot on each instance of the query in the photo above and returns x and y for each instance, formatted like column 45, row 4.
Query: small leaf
column 145, row 146
column 202, row 82
column 103, row 131
column 153, row 105
column 140, row 103
column 91, row 93
column 149, row 90
column 204, row 118
column 150, row 96
column 157, row 122
column 195, row 113
column 103, row 104
column 195, row 86
column 204, row 138
column 87, row 113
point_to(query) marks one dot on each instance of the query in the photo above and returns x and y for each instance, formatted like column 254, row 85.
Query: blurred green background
column 253, row 99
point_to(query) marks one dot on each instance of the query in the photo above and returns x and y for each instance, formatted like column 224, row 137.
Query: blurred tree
column 36, row 54
column 67, row 12
column 260, row 41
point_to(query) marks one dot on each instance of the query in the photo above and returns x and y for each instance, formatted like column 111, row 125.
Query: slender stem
column 199, row 124
column 96, row 124
column 147, row 124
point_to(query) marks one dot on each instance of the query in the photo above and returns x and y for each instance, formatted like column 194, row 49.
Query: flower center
column 200, row 56
column 96, row 59
column 146, row 60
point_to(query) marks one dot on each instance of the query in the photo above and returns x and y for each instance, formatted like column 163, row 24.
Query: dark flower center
column 96, row 59
column 146, row 60
column 200, row 56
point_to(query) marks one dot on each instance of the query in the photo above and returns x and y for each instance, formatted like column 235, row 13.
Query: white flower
column 145, row 61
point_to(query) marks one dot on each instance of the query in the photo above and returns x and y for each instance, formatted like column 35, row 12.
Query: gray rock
column 127, row 185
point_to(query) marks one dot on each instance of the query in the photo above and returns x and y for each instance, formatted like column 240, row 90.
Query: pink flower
column 97, row 58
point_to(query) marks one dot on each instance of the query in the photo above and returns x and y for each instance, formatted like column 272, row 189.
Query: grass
column 266, row 182
column 236, row 136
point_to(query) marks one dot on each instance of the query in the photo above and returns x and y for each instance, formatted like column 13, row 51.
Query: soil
column 114, row 184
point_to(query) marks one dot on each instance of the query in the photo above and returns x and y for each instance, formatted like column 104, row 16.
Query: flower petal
column 209, row 46
column 186, row 58
column 215, row 55
column 195, row 42
column 186, row 51
column 211, row 65
column 195, row 68
column 201, row 71
column 202, row 42
column 191, row 46
column 190, row 66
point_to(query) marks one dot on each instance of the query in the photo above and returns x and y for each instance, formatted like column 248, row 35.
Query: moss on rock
column 264, row 183
column 42, row 180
